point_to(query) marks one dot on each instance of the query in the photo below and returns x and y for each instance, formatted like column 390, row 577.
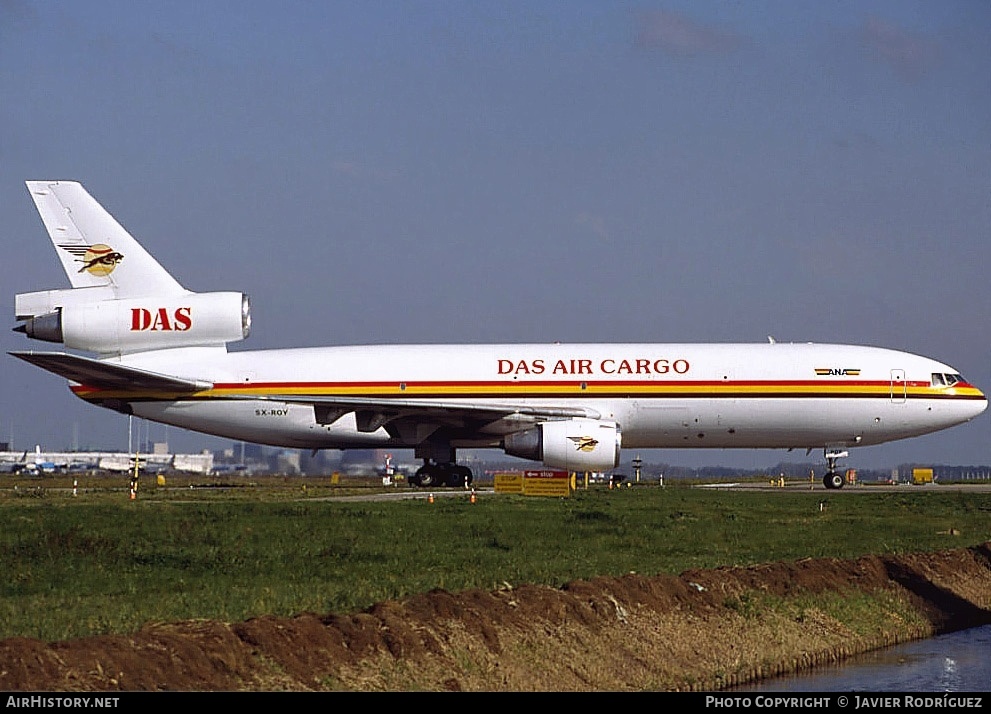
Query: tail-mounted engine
column 88, row 321
column 571, row 444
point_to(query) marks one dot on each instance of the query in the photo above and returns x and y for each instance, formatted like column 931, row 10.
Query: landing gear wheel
column 459, row 476
column 433, row 475
column 833, row 480
column 426, row 476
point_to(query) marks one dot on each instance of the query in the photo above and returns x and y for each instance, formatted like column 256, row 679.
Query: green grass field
column 99, row 562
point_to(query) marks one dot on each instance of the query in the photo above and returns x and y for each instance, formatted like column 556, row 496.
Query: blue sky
column 375, row 172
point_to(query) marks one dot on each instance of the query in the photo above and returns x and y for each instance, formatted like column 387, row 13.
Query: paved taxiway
column 817, row 490
column 821, row 490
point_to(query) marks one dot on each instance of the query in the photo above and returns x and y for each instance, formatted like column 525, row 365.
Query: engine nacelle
column 138, row 324
column 570, row 444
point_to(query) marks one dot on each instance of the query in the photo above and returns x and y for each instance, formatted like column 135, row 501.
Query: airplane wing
column 398, row 415
column 370, row 413
column 107, row 375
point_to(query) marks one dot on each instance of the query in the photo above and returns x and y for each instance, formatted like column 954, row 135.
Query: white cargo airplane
column 161, row 354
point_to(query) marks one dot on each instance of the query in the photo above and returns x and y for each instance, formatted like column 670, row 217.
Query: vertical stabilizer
column 95, row 250
column 121, row 301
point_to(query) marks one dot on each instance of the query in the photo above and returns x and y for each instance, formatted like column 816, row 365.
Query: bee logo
column 584, row 443
column 98, row 259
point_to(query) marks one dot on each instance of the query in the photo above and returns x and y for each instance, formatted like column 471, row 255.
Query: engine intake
column 571, row 444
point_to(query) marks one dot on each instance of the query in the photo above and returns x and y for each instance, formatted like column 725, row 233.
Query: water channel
column 956, row 662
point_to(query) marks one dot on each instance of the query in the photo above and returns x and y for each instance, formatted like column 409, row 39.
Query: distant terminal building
column 53, row 462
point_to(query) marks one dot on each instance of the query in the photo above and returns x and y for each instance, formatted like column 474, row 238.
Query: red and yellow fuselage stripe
column 644, row 389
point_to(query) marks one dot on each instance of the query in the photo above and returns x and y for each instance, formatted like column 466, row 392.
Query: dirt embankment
column 699, row 631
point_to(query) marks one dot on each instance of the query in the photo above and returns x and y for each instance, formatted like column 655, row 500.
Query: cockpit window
column 945, row 380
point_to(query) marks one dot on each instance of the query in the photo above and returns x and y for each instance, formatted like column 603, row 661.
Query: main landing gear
column 444, row 473
column 833, row 478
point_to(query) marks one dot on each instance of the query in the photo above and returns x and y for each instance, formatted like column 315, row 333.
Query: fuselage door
column 899, row 387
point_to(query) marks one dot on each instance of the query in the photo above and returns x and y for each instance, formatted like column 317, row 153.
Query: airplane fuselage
column 662, row 395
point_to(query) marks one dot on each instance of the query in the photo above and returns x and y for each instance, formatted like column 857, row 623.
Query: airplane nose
column 982, row 403
column 978, row 403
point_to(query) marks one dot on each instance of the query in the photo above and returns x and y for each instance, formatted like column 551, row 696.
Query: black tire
column 425, row 477
column 833, row 480
column 459, row 476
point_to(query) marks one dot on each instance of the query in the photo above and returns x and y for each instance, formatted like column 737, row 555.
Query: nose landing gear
column 833, row 478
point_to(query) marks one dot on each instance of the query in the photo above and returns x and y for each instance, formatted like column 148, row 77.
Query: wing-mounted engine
column 86, row 319
column 571, row 444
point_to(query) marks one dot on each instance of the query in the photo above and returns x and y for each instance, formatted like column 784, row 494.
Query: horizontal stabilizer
column 108, row 375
